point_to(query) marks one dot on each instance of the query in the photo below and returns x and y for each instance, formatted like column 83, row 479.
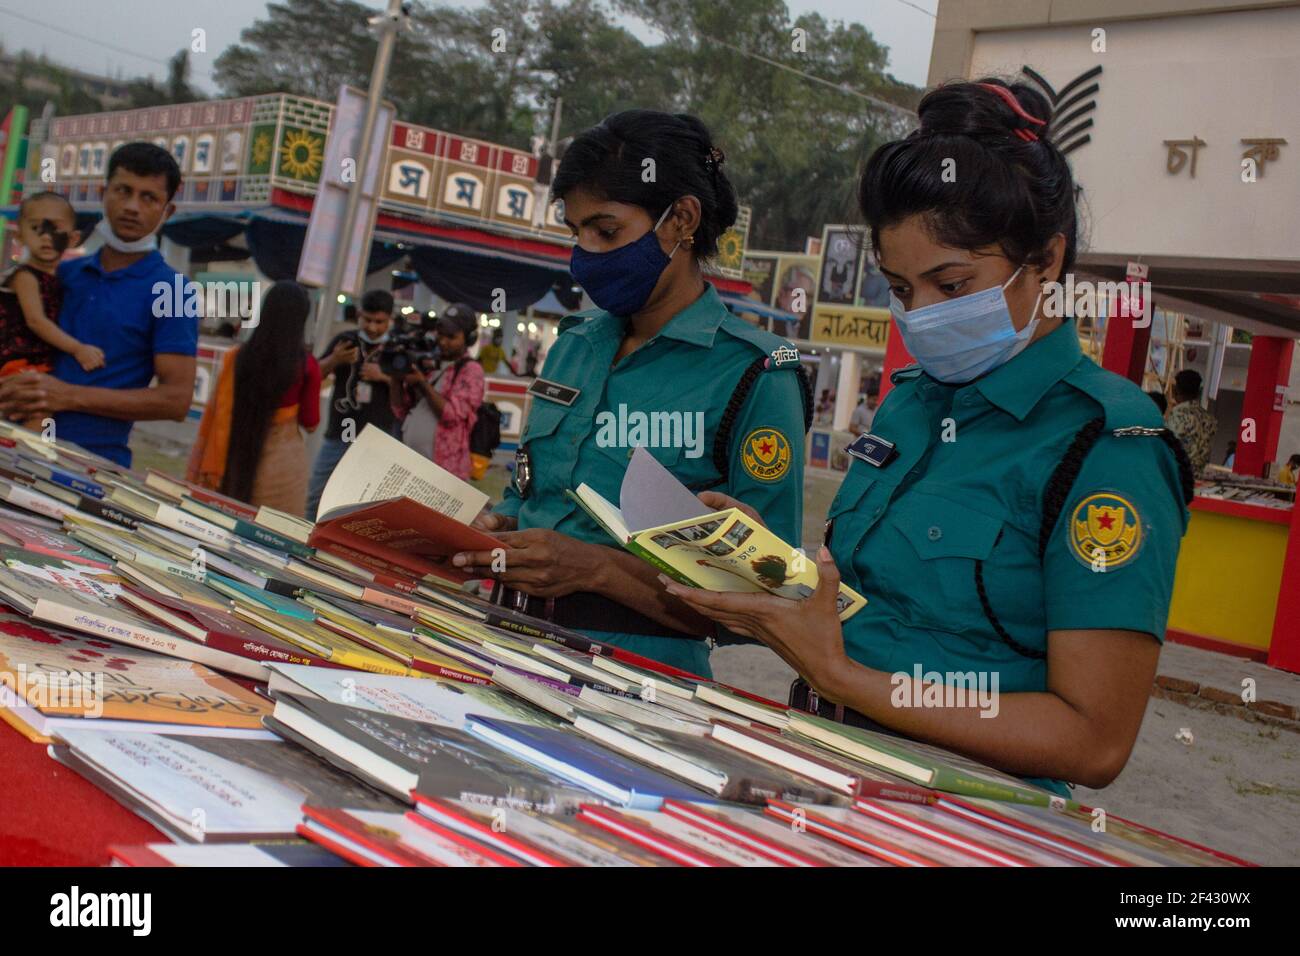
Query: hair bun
column 986, row 110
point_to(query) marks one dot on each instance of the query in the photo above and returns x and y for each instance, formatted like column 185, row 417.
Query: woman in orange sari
column 249, row 445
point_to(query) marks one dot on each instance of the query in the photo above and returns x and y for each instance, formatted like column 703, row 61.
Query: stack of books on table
column 269, row 692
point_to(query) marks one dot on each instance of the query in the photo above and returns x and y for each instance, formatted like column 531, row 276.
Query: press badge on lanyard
column 873, row 449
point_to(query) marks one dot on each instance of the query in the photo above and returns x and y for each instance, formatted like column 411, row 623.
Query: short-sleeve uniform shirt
column 960, row 508
column 685, row 375
column 132, row 314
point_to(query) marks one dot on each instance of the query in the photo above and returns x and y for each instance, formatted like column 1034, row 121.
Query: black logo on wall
column 1070, row 107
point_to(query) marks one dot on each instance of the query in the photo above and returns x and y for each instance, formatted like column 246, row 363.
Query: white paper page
column 651, row 495
column 377, row 467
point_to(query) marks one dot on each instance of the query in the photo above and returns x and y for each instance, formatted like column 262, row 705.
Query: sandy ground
column 1235, row 787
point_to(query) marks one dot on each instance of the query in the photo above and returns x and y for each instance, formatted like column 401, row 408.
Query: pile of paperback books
column 266, row 691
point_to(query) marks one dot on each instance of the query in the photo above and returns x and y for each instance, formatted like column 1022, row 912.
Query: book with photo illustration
column 388, row 508
column 660, row 521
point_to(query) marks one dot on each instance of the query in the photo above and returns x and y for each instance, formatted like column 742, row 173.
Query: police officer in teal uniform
column 660, row 363
column 1015, row 514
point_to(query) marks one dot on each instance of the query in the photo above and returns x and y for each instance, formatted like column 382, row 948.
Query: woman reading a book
column 1014, row 516
column 249, row 445
column 660, row 362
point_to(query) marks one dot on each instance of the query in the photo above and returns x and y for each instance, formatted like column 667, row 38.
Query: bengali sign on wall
column 854, row 326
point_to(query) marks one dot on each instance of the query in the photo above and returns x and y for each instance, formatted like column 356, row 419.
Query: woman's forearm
column 1028, row 733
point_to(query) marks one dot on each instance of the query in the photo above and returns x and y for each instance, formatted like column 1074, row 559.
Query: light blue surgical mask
column 962, row 339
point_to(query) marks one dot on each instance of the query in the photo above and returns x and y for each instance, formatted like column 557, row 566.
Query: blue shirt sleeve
column 176, row 334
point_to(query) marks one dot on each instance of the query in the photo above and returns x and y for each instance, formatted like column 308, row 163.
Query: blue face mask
column 621, row 280
column 961, row 339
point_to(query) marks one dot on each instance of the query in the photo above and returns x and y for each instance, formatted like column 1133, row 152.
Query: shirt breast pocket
column 946, row 539
column 543, row 421
column 618, row 456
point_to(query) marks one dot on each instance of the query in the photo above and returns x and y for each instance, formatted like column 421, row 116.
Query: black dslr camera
column 410, row 349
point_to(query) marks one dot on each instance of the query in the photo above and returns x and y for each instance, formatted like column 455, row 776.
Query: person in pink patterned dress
column 454, row 390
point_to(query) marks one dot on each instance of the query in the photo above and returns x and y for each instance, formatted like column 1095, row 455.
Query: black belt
column 803, row 697
column 587, row 611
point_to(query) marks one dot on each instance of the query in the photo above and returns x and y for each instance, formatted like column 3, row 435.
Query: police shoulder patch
column 765, row 454
column 783, row 357
column 1105, row 531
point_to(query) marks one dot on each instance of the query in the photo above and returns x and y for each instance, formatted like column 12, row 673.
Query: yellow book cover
column 317, row 640
column 47, row 673
column 402, row 646
column 661, row 522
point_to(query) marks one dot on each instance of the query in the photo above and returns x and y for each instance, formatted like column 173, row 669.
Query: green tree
column 307, row 47
column 794, row 146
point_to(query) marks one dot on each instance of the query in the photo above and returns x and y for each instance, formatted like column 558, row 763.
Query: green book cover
column 922, row 763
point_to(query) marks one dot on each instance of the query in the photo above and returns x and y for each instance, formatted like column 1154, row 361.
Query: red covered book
column 629, row 828
column 455, row 823
column 399, row 536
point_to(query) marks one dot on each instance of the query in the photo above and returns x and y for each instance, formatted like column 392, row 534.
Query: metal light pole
column 387, row 24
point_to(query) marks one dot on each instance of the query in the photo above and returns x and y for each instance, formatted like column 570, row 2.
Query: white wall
column 1221, row 77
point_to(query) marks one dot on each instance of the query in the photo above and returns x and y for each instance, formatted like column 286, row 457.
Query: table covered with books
column 191, row 681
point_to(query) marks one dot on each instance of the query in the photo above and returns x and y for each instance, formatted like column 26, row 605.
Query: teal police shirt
column 687, row 373
column 966, row 490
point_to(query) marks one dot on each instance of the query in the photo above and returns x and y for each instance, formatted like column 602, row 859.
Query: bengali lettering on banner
column 465, row 177
column 512, row 188
column 854, row 326
column 411, row 168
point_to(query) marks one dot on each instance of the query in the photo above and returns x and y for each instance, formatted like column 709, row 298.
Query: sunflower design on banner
column 302, row 154
column 261, row 144
column 731, row 246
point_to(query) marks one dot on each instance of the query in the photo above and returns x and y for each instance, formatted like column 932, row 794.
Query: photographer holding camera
column 361, row 394
column 453, row 388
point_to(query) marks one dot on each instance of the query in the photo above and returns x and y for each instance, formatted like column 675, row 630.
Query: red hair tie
column 1028, row 135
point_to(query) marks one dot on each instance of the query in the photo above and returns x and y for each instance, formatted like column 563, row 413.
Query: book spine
column 167, row 567
column 405, row 584
column 375, row 664
column 450, row 673
column 259, row 535
column 899, row 792
column 102, row 508
column 21, row 497
column 377, row 564
column 231, row 507
column 76, row 484
column 952, row 780
column 207, row 513
column 281, row 587
column 257, row 651
column 123, row 632
column 184, row 522
column 390, row 602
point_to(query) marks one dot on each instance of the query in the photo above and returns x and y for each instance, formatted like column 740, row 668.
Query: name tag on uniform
column 873, row 449
column 554, row 391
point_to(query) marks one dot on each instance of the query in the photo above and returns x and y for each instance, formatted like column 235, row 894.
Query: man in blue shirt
column 114, row 299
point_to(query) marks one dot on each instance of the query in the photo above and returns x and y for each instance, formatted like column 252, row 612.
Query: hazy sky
column 135, row 37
